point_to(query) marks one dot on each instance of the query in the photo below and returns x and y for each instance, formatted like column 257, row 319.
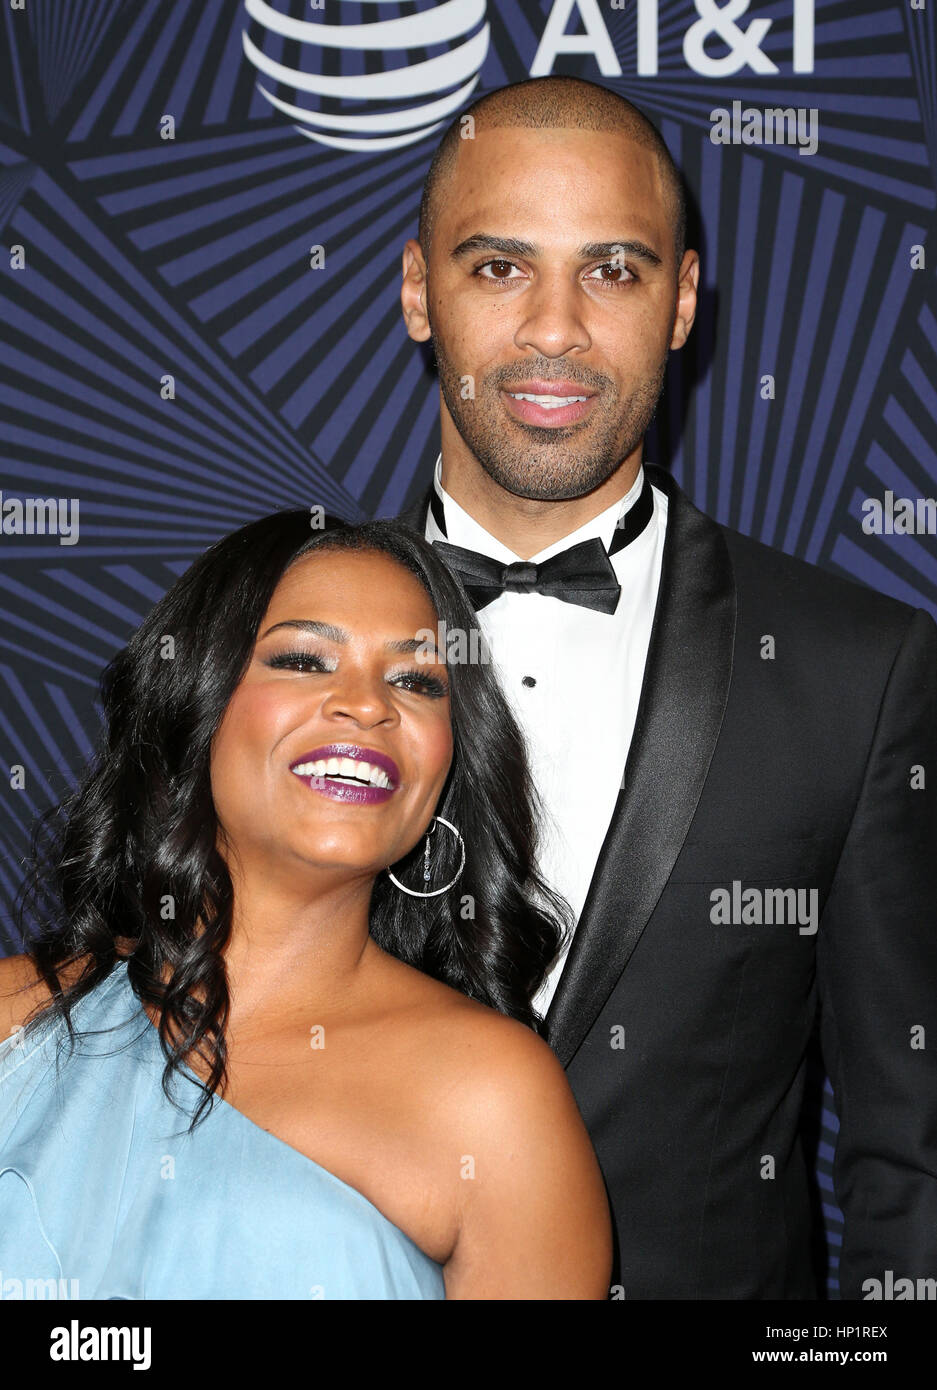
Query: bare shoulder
column 506, row 1084
column 533, row 1218
column 500, row 1061
column 496, row 1109
column 472, row 1046
column 22, row 990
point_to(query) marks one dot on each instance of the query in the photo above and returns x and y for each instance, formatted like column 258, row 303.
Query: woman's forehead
column 369, row 581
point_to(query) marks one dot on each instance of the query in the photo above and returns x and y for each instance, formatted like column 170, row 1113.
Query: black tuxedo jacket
column 786, row 739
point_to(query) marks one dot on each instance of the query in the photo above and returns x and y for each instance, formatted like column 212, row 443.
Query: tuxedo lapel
column 683, row 699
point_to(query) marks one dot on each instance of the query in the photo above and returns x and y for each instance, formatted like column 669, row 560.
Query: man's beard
column 549, row 464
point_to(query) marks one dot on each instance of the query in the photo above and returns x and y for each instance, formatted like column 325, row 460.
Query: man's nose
column 553, row 322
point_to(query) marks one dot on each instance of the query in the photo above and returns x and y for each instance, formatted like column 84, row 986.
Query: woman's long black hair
column 140, row 830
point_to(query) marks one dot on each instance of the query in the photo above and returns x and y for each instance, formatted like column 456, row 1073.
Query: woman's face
column 335, row 747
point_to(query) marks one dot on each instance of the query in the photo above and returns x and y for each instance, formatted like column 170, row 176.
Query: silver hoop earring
column 426, row 873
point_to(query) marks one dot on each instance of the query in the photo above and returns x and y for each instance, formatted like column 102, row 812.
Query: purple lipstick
column 348, row 772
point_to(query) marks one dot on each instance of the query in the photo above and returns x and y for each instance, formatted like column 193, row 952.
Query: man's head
column 554, row 103
column 550, row 262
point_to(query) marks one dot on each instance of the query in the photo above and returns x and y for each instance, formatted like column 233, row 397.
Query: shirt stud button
column 528, row 680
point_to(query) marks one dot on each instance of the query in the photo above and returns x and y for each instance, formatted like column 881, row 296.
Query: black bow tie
column 582, row 574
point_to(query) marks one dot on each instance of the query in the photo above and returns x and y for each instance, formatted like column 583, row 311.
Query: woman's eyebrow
column 327, row 630
column 338, row 634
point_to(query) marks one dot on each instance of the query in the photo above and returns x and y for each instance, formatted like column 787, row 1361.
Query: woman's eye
column 297, row 661
column 425, row 684
column 304, row 662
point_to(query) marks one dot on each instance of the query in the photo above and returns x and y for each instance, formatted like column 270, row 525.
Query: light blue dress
column 104, row 1191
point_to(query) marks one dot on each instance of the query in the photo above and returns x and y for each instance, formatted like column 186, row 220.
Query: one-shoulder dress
column 104, row 1190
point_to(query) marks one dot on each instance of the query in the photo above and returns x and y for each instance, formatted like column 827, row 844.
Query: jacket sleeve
column 877, row 980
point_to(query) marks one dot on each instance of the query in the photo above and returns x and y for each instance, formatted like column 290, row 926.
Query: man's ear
column 413, row 292
column 686, row 299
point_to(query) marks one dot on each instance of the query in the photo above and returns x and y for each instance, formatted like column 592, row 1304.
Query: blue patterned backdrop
column 159, row 206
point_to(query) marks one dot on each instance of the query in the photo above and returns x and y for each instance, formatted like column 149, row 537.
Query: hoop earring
column 426, row 873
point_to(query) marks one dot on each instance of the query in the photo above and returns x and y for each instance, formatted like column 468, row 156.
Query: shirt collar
column 462, row 529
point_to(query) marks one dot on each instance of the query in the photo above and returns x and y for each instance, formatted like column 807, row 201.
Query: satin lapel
column 683, row 699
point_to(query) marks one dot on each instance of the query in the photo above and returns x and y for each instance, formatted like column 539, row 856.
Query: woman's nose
column 360, row 697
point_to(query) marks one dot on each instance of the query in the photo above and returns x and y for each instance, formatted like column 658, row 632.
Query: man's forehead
column 490, row 129
column 552, row 142
column 536, row 168
column 551, row 203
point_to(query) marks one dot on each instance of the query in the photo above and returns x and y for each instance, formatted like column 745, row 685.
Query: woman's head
column 224, row 690
column 335, row 746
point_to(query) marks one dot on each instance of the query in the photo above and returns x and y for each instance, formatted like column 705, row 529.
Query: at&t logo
column 404, row 102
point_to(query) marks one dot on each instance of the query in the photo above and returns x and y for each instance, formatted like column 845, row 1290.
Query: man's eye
column 611, row 273
column 500, row 270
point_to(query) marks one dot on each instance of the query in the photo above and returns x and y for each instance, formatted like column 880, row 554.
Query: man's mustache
column 547, row 371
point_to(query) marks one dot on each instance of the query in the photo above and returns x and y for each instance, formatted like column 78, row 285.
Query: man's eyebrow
column 511, row 246
column 338, row 634
column 482, row 242
column 636, row 250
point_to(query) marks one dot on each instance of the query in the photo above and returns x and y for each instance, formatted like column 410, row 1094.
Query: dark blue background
column 191, row 257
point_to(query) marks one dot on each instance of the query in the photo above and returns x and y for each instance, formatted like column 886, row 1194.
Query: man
column 737, row 752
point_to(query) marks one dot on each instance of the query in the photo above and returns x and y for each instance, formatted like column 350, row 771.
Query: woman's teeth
column 548, row 402
column 344, row 770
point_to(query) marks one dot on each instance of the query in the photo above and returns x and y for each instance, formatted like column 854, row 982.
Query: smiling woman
column 218, row 909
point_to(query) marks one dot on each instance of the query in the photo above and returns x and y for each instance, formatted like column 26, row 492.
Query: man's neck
column 525, row 525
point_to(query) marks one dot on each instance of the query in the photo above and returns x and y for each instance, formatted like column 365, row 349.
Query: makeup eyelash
column 432, row 685
column 293, row 660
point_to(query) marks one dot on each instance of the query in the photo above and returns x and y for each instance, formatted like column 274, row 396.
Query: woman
column 375, row 1117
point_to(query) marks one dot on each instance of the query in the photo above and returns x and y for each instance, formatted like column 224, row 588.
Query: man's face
column 552, row 275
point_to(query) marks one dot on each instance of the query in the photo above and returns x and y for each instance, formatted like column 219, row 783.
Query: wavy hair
column 142, row 824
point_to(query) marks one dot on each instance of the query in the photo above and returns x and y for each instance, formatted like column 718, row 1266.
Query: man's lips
column 556, row 403
column 348, row 772
column 538, row 386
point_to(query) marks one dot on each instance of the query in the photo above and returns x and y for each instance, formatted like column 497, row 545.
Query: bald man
column 737, row 752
